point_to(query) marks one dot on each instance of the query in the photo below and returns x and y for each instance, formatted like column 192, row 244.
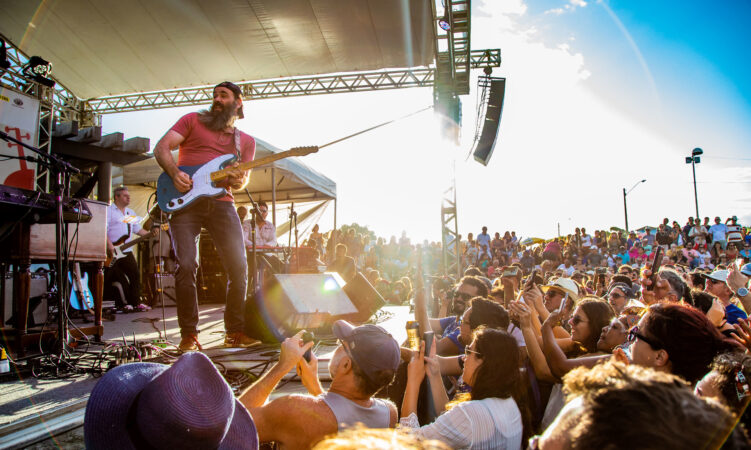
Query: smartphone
column 531, row 280
column 511, row 271
column 307, row 337
column 655, row 268
column 564, row 304
column 428, row 338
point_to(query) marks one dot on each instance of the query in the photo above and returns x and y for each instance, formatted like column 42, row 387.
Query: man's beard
column 216, row 119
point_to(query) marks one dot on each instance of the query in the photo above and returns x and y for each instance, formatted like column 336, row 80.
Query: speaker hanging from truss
column 489, row 107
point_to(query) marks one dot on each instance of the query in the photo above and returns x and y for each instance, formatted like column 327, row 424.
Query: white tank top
column 348, row 413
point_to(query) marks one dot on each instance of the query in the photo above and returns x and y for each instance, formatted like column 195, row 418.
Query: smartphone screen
column 563, row 305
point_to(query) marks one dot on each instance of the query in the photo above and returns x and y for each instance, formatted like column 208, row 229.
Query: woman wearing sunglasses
column 677, row 339
column 493, row 415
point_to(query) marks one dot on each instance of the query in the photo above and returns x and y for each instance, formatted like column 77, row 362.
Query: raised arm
column 536, row 356
column 163, row 155
column 290, row 354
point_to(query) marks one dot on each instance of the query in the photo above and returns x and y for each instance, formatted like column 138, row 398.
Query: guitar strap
column 237, row 145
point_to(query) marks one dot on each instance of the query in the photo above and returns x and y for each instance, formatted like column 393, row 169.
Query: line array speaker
column 486, row 143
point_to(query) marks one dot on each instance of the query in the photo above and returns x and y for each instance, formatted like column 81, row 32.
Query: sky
column 599, row 95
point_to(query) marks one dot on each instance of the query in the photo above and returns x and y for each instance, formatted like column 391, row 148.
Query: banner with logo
column 19, row 118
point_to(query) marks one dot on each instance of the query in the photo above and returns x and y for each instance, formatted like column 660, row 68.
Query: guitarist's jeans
column 223, row 224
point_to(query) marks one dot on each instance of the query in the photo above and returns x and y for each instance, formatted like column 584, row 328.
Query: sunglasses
column 633, row 334
column 576, row 320
column 462, row 296
column 467, row 352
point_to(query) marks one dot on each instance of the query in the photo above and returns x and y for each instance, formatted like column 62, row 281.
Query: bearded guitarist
column 201, row 137
column 122, row 221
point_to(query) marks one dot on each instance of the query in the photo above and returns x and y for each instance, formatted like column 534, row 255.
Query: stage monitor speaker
column 366, row 298
column 286, row 303
column 486, row 143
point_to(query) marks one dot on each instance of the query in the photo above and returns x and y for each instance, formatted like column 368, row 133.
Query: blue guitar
column 80, row 294
column 205, row 177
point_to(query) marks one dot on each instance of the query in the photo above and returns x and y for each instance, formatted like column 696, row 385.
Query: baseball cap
column 235, row 90
column 718, row 275
column 746, row 269
column 372, row 347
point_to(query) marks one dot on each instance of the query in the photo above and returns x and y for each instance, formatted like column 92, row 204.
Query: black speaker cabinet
column 486, row 143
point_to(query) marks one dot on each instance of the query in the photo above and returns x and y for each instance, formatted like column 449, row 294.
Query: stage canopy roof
column 114, row 47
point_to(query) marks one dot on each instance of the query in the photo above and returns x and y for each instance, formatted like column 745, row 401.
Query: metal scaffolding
column 452, row 246
column 289, row 87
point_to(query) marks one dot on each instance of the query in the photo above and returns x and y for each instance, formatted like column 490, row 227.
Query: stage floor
column 38, row 409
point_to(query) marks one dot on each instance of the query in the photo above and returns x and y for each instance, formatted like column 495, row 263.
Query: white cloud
column 579, row 3
column 555, row 11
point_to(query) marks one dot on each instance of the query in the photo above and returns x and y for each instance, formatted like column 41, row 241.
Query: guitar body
column 171, row 200
column 117, row 253
column 80, row 294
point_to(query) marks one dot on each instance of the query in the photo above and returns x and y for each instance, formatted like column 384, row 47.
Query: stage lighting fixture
column 4, row 63
column 39, row 70
column 444, row 22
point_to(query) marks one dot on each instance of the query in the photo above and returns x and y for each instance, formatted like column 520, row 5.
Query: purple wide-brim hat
column 186, row 405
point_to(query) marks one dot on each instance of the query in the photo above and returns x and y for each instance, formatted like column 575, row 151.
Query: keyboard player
column 265, row 230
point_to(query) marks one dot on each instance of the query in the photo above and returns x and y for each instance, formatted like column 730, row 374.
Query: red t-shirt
column 201, row 145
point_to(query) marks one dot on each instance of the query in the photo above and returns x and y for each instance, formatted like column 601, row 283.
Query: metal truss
column 452, row 246
column 256, row 90
column 65, row 104
column 288, row 87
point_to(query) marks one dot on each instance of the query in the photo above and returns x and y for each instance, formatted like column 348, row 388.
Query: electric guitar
column 120, row 246
column 80, row 294
column 205, row 177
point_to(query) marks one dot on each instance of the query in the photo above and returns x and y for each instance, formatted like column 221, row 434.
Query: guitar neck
column 300, row 151
column 135, row 241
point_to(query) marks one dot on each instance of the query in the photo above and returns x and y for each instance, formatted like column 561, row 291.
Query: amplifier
column 37, row 300
column 162, row 285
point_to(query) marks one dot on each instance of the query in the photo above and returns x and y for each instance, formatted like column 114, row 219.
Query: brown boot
column 190, row 343
column 240, row 340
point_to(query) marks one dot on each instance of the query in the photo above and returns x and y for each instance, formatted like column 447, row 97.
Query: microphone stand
column 61, row 171
column 254, row 213
column 293, row 216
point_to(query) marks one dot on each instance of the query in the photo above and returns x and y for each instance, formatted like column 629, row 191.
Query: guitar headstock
column 302, row 151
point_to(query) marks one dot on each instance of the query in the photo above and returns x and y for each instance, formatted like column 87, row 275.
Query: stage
column 48, row 412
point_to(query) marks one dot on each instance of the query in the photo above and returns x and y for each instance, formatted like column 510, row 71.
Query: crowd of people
column 574, row 343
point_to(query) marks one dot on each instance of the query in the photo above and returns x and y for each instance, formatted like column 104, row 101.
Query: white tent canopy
column 294, row 181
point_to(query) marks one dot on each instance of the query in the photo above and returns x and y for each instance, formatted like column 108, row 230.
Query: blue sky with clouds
column 599, row 95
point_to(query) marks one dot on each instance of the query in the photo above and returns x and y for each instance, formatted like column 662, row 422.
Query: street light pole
column 625, row 208
column 694, row 159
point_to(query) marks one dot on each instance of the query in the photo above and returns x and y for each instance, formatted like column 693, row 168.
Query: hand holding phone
column 655, row 268
column 307, row 337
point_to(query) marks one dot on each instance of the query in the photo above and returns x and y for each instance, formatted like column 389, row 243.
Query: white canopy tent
column 283, row 181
